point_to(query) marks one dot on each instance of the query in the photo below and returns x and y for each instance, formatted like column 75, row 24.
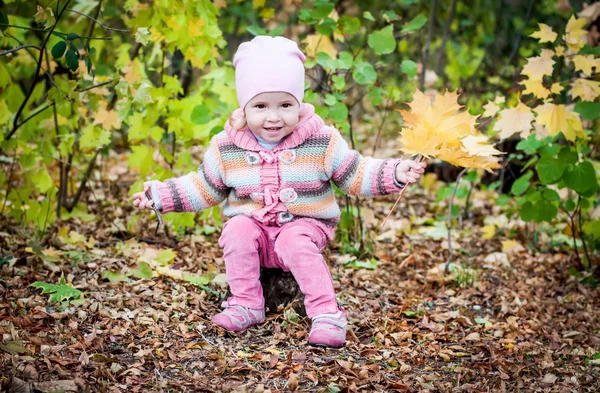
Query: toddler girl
column 272, row 165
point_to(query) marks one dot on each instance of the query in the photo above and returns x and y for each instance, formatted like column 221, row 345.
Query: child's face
column 273, row 115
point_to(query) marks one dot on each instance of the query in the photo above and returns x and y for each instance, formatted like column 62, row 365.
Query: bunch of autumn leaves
column 435, row 128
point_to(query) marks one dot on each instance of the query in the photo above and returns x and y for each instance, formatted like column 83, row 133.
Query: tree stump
column 281, row 289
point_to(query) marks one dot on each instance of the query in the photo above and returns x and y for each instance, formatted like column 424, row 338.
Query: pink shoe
column 237, row 318
column 329, row 330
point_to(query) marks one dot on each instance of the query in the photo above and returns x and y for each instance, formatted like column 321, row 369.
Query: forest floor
column 508, row 318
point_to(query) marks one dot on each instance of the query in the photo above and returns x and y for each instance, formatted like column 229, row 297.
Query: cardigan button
column 288, row 156
column 288, row 195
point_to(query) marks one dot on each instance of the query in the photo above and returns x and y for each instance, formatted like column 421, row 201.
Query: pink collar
column 308, row 125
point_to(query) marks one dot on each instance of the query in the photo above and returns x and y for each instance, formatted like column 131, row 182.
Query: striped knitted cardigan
column 281, row 185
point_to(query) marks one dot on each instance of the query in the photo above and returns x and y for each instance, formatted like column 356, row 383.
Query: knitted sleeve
column 358, row 175
column 194, row 191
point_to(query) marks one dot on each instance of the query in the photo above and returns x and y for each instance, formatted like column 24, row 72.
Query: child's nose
column 272, row 115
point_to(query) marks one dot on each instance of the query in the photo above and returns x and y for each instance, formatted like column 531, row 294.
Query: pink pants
column 295, row 247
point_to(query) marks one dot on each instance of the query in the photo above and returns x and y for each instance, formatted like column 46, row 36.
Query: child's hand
column 409, row 171
column 139, row 198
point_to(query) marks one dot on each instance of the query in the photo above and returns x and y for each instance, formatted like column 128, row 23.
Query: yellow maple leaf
column 477, row 145
column 559, row 50
column 586, row 89
column 575, row 33
column 537, row 67
column 108, row 119
column 556, row 88
column 557, row 119
column 513, row 120
column 316, row 43
column 488, row 231
column 585, row 63
column 500, row 100
column 195, row 26
column 435, row 127
column 536, row 88
column 545, row 34
column 490, row 109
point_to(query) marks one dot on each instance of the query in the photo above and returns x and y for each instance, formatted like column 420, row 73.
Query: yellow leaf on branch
column 585, row 89
column 545, row 34
column 536, row 88
column 574, row 35
column 108, row 119
column 539, row 66
column 490, row 109
column 556, row 118
column 585, row 63
column 513, row 120
column 316, row 43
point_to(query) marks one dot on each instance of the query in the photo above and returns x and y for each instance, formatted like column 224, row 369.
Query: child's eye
column 287, row 105
column 260, row 106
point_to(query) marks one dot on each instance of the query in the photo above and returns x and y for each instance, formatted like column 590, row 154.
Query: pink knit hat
column 268, row 64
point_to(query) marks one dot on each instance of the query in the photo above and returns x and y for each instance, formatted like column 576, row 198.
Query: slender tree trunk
column 442, row 50
column 428, row 44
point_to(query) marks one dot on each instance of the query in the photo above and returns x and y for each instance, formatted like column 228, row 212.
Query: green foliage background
column 99, row 81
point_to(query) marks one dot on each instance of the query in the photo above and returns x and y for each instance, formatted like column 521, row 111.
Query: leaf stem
column 419, row 159
column 100, row 24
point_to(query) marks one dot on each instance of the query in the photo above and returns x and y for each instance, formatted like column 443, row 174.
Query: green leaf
column 546, row 211
column 58, row 50
column 592, row 228
column 196, row 280
column 72, row 36
column 42, row 180
column 94, row 138
column 142, row 95
column 368, row 16
column 330, row 100
column 415, row 24
column 325, row 61
column 567, row 155
column 165, row 257
column 348, row 25
column 200, row 115
column 339, row 82
column 71, row 60
column 588, row 110
column 339, row 112
column 142, row 36
column 530, row 145
column 3, row 20
column 364, row 74
column 143, row 271
column 580, row 177
column 345, row 61
column 322, row 10
column 551, row 195
column 383, row 41
column 58, row 293
column 113, row 276
column 549, row 169
column 4, row 78
column 521, row 184
column 327, row 27
column 588, row 50
column 409, row 67
column 527, row 212
column 570, row 205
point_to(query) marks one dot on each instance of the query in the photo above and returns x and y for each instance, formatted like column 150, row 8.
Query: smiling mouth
column 273, row 129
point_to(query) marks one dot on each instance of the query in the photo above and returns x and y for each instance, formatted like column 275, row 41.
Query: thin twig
column 519, row 38
column 419, row 159
column 442, row 49
column 93, row 87
column 19, row 48
column 385, row 113
column 35, row 114
column 100, row 24
column 428, row 44
column 357, row 200
column 88, row 172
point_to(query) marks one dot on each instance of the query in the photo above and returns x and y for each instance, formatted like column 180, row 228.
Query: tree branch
column 451, row 256
column 519, row 38
column 442, row 48
column 19, row 48
column 100, row 24
column 88, row 172
column 16, row 125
